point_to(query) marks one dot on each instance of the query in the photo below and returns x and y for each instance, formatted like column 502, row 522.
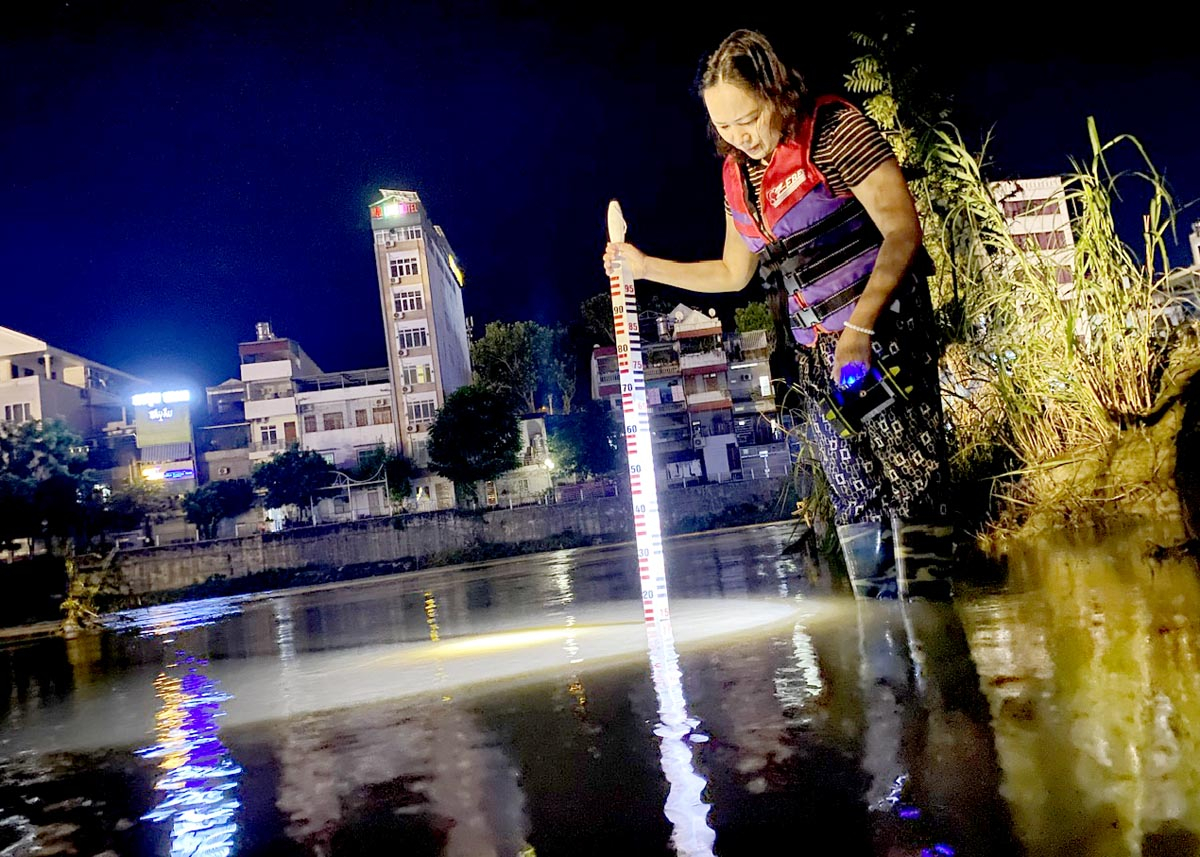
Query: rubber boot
column 867, row 548
column 924, row 553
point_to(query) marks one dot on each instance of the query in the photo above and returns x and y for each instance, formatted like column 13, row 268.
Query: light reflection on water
column 523, row 708
column 199, row 780
column 1090, row 668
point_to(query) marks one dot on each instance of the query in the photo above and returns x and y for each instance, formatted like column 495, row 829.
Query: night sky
column 173, row 173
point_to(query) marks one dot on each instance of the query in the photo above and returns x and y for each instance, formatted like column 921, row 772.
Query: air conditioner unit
column 398, row 314
column 404, row 388
column 403, row 352
column 389, row 243
column 381, row 403
column 698, row 442
column 394, row 279
column 412, row 427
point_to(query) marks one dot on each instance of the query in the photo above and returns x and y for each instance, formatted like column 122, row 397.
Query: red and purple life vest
column 818, row 246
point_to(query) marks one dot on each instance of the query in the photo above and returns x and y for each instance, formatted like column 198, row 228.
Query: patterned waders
column 895, row 467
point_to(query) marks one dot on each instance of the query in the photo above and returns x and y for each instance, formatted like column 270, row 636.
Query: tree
column 127, row 508
column 390, row 463
column 597, row 315
column 292, row 477
column 756, row 316
column 209, row 504
column 505, row 361
column 43, row 482
column 586, row 442
column 475, row 437
column 559, row 363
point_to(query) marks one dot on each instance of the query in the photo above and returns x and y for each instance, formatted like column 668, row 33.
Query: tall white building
column 420, row 296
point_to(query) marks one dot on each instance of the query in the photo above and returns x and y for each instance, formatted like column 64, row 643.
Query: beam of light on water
column 685, row 809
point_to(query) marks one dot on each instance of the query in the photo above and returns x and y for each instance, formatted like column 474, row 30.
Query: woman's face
column 743, row 120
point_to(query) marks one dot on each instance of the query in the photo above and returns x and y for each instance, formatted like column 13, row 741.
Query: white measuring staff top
column 643, row 487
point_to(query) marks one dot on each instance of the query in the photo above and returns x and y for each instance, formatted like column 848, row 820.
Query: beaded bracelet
column 858, row 329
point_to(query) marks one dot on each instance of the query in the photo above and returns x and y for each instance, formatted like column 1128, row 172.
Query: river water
column 523, row 707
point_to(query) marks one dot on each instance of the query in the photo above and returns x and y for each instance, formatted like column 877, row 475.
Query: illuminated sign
column 158, row 474
column 457, row 271
column 394, row 209
column 162, row 417
column 169, row 397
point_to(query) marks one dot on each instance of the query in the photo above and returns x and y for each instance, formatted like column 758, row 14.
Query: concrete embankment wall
column 412, row 541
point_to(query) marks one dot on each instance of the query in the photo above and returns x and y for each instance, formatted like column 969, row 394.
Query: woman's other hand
column 626, row 256
column 851, row 358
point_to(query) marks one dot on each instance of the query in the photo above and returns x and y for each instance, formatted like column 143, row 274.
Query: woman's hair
column 746, row 59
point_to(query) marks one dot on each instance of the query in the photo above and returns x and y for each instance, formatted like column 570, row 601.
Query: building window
column 420, row 410
column 420, row 451
column 18, row 413
column 360, row 417
column 366, row 453
column 1029, row 207
column 404, row 264
column 332, row 422
column 310, row 423
column 381, row 416
column 417, row 373
column 1042, row 240
column 269, row 436
column 407, row 300
column 412, row 337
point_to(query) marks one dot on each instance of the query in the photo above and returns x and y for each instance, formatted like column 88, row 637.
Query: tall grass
column 1052, row 373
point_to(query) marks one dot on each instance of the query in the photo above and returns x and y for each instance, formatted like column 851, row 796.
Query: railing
column 661, row 370
column 584, row 491
column 715, row 357
column 708, row 397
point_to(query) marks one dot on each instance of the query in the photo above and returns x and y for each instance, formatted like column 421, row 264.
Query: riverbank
column 301, row 583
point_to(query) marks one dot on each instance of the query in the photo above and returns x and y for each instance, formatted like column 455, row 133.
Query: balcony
column 282, row 406
column 661, row 370
column 269, row 446
column 702, row 361
column 709, row 401
column 266, row 370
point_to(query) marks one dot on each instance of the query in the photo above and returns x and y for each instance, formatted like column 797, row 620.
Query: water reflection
column 686, row 809
column 1090, row 669
column 199, row 781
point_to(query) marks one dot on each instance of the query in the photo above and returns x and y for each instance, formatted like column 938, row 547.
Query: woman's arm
column 730, row 273
column 886, row 197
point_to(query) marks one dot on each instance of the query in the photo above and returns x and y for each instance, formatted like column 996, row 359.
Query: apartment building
column 41, row 381
column 712, row 407
column 269, row 367
column 420, row 297
column 345, row 416
column 1040, row 222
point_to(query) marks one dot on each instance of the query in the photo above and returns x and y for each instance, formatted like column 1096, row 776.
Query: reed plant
column 1052, row 371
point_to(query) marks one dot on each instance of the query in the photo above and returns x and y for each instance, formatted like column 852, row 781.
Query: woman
column 816, row 200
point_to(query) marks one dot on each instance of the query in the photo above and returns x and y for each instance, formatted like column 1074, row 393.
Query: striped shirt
column 847, row 146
